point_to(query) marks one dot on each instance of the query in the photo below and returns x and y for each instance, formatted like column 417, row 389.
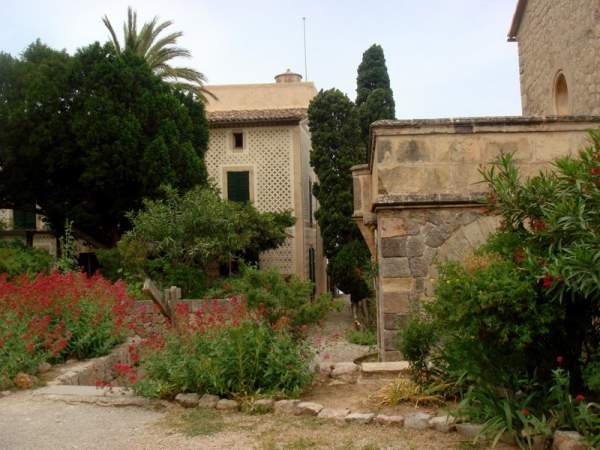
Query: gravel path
column 329, row 338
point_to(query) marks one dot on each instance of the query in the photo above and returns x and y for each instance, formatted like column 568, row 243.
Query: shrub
column 529, row 301
column 226, row 351
column 416, row 341
column 55, row 317
column 282, row 297
column 16, row 258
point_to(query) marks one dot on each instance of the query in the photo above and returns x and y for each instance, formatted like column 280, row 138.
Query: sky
column 445, row 58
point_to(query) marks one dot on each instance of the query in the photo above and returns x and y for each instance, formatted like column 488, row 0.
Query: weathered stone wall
column 410, row 242
column 417, row 202
column 560, row 35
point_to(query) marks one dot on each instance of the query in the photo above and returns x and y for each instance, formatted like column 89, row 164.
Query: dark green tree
column 374, row 97
column 87, row 137
column 336, row 147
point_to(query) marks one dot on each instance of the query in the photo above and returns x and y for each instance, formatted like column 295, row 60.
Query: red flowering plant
column 54, row 317
column 221, row 348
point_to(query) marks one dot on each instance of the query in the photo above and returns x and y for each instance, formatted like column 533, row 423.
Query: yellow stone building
column 259, row 151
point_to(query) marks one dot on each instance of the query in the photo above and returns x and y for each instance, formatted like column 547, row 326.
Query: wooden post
column 158, row 299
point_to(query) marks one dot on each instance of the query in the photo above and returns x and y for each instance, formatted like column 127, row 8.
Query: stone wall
column 417, row 202
column 560, row 35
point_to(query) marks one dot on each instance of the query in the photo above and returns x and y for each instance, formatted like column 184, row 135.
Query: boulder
column 337, row 415
column 187, row 400
column 285, row 407
column 362, row 418
column 382, row 419
column 568, row 440
column 228, row 405
column 44, row 367
column 444, row 424
column 208, row 401
column 308, row 409
column 417, row 421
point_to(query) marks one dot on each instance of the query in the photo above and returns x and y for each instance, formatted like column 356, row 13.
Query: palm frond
column 113, row 35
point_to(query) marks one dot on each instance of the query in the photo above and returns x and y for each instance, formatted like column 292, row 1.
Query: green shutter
column 238, row 186
column 24, row 219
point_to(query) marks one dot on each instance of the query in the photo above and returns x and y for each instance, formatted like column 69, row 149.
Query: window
column 561, row 95
column 24, row 219
column 238, row 186
column 238, row 140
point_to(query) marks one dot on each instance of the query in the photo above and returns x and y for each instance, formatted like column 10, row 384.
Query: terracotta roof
column 256, row 116
column 516, row 22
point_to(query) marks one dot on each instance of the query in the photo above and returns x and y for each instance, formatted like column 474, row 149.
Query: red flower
column 580, row 397
column 525, row 412
column 538, row 224
column 596, row 171
column 548, row 280
column 560, row 360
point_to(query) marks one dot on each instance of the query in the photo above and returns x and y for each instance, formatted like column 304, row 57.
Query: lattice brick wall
column 269, row 152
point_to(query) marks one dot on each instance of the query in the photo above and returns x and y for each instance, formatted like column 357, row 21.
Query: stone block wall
column 560, row 35
column 411, row 242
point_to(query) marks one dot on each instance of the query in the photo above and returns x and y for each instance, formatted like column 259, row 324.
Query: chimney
column 288, row 77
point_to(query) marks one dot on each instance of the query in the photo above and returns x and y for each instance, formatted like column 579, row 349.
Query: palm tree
column 158, row 52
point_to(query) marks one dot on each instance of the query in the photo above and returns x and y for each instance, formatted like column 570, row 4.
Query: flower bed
column 50, row 318
column 222, row 348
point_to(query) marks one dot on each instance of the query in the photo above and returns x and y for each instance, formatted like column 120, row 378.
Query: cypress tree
column 336, row 147
column 374, row 96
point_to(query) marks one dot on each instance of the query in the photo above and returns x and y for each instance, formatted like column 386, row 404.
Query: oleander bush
column 521, row 319
column 54, row 317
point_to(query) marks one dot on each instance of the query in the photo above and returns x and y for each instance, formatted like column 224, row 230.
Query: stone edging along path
column 68, row 386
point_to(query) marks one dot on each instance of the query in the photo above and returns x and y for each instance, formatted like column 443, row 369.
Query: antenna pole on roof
column 304, row 33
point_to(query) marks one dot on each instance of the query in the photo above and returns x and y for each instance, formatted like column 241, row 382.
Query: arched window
column 561, row 95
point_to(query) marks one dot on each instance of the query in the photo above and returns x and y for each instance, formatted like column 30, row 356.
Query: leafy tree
column 87, row 137
column 158, row 52
column 197, row 229
column 374, row 97
column 336, row 147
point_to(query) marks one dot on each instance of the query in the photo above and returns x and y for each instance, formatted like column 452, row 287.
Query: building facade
column 259, row 151
column 559, row 56
column 417, row 201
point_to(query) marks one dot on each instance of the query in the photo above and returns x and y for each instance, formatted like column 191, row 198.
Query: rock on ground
column 228, row 405
column 208, row 401
column 359, row 417
column 469, row 430
column 444, row 424
column 308, row 409
column 568, row 440
column 337, row 415
column 383, row 419
column 187, row 400
column 417, row 421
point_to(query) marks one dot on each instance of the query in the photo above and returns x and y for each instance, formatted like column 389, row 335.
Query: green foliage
column 241, row 359
column 85, row 136
column 415, row 342
column 374, row 97
column 68, row 253
column 16, row 259
column 363, row 337
column 176, row 239
column 350, row 268
column 282, row 297
column 336, row 147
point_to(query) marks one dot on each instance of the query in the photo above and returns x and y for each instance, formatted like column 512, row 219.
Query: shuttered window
column 24, row 219
column 238, row 186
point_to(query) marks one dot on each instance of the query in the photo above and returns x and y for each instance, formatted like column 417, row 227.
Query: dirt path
column 28, row 422
column 329, row 338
